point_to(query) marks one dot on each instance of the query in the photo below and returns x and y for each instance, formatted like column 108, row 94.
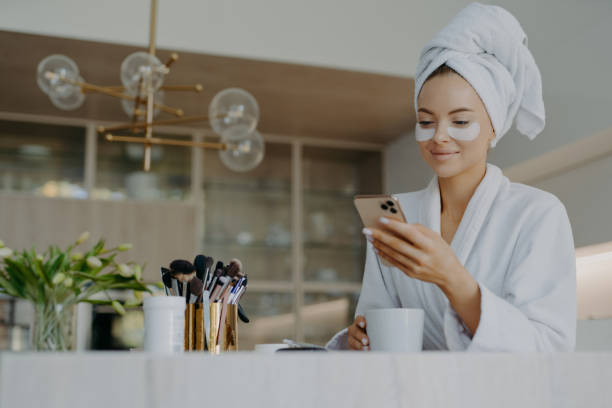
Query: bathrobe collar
column 476, row 212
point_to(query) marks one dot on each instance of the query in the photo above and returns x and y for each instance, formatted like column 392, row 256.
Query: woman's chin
column 447, row 168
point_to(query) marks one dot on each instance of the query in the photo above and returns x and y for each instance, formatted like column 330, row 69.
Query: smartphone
column 372, row 207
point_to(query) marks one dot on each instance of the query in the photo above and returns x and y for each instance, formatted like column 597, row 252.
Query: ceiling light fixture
column 233, row 113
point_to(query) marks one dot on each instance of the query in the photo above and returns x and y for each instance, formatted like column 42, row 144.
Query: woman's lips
column 444, row 155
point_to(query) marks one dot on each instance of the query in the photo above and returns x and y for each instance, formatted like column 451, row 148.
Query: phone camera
column 393, row 211
column 384, row 207
column 390, row 203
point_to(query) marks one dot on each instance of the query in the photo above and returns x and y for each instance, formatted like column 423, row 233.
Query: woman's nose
column 441, row 135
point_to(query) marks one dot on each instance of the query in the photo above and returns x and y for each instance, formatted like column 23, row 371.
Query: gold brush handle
column 215, row 313
column 189, row 329
column 200, row 333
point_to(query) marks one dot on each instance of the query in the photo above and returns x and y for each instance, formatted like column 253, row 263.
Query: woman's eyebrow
column 450, row 113
column 460, row 110
column 425, row 111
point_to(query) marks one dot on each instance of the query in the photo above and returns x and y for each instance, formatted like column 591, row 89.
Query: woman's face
column 446, row 101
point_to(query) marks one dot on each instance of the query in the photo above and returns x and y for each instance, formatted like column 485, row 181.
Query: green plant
column 56, row 280
column 66, row 277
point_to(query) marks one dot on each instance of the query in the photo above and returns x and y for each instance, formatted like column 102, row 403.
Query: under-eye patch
column 423, row 135
column 468, row 133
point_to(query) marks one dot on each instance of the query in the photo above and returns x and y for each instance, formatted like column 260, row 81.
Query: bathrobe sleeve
column 377, row 292
column 537, row 308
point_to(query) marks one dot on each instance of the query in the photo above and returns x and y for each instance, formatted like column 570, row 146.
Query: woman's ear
column 490, row 139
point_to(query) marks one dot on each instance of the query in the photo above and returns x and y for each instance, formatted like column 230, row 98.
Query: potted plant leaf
column 56, row 280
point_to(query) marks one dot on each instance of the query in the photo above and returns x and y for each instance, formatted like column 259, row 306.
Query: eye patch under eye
column 423, row 135
column 467, row 134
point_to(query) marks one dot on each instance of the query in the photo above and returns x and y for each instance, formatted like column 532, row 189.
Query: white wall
column 376, row 36
column 586, row 193
column 594, row 335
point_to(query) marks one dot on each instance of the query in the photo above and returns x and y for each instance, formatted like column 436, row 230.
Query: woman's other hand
column 357, row 337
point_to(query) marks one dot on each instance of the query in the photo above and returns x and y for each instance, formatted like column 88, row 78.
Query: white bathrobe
column 516, row 241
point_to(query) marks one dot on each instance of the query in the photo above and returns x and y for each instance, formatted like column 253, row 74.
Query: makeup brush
column 242, row 315
column 235, row 268
column 183, row 271
column 181, row 267
column 207, row 276
column 218, row 273
column 224, row 302
column 206, row 314
column 219, row 285
column 195, row 289
column 237, row 291
column 199, row 263
column 224, row 287
column 167, row 280
column 177, row 286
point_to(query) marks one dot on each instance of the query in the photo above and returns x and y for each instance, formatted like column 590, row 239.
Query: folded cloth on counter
column 516, row 241
column 488, row 48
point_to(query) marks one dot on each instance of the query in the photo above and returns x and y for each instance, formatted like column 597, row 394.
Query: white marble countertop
column 342, row 379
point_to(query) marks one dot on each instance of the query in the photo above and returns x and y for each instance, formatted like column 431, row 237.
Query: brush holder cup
column 222, row 335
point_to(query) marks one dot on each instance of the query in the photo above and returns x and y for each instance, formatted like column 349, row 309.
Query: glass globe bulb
column 128, row 105
column 60, row 65
column 233, row 107
column 67, row 97
column 245, row 149
column 141, row 64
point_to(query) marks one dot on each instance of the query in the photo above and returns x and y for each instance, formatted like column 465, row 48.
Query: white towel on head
column 488, row 48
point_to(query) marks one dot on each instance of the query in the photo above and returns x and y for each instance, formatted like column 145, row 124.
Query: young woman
column 490, row 262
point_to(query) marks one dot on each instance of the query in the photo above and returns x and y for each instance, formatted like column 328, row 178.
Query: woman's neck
column 456, row 191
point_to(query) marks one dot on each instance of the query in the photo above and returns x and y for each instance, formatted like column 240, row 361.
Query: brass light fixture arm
column 141, row 125
column 170, row 142
column 104, row 90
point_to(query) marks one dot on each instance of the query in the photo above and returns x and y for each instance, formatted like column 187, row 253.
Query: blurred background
column 334, row 85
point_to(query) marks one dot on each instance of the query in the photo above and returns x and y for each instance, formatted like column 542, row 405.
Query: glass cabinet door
column 248, row 216
column 42, row 159
column 334, row 247
column 120, row 175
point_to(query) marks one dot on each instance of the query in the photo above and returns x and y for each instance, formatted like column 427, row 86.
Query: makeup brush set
column 211, row 296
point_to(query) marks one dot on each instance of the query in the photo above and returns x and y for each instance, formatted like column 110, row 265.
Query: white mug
column 399, row 330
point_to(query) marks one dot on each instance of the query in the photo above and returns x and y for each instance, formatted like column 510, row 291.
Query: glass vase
column 53, row 327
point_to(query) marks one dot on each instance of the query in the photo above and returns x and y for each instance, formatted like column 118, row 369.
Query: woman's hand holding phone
column 423, row 254
column 372, row 207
